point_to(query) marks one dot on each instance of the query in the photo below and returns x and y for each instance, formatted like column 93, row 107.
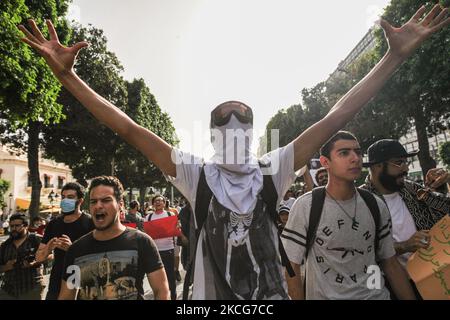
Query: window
column 47, row 183
column 60, row 182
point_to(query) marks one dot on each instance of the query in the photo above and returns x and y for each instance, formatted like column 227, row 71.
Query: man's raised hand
column 59, row 58
column 404, row 40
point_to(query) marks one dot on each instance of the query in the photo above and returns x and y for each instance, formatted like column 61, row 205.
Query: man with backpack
column 343, row 234
column 235, row 196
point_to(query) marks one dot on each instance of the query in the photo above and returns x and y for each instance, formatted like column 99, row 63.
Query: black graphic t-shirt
column 74, row 230
column 112, row 269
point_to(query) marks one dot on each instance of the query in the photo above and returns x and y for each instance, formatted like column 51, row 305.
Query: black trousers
column 168, row 259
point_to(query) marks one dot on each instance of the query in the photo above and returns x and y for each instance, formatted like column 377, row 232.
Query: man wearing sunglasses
column 247, row 264
column 412, row 214
column 23, row 279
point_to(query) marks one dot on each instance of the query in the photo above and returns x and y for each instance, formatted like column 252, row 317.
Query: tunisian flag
column 163, row 228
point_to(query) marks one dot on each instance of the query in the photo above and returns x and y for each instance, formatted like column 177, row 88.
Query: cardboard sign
column 430, row 268
column 163, row 228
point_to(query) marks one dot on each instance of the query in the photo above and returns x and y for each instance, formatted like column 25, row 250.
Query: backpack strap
column 374, row 209
column 202, row 201
column 318, row 198
column 269, row 195
column 317, row 201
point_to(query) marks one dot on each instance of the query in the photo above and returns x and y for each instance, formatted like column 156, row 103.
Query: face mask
column 232, row 144
column 68, row 206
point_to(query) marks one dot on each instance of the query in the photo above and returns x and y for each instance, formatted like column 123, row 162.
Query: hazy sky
column 195, row 54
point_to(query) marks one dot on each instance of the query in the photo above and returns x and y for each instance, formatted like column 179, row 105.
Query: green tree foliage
column 444, row 153
column 80, row 141
column 91, row 149
column 420, row 90
column 294, row 120
column 28, row 90
column 417, row 95
column 379, row 119
column 4, row 186
column 134, row 170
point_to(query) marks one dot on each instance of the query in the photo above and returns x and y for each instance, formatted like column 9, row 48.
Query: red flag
column 131, row 225
column 163, row 228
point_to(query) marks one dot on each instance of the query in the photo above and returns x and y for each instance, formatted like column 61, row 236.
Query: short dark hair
column 108, row 181
column 158, row 196
column 134, row 204
column 319, row 171
column 74, row 186
column 36, row 219
column 325, row 150
column 19, row 216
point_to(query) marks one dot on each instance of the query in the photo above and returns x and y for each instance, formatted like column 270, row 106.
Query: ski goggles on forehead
column 222, row 113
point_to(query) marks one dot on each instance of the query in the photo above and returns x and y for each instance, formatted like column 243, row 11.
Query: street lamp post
column 51, row 198
column 10, row 203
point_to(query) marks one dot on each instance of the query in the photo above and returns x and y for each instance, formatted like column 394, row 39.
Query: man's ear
column 376, row 168
column 324, row 161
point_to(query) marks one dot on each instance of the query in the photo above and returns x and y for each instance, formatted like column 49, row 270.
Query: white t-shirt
column 186, row 181
column 188, row 174
column 403, row 226
column 338, row 263
column 162, row 244
column 287, row 203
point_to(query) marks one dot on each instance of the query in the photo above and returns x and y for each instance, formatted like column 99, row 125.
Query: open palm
column 404, row 40
column 60, row 59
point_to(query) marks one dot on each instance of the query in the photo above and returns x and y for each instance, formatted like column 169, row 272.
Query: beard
column 17, row 235
column 389, row 181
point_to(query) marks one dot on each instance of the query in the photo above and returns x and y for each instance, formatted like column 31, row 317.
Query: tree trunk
column 130, row 195
column 425, row 160
column 113, row 166
column 33, row 165
column 142, row 191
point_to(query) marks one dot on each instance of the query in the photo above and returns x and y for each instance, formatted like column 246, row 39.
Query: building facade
column 409, row 141
column 14, row 168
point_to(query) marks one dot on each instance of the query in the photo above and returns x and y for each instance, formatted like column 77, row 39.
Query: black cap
column 386, row 149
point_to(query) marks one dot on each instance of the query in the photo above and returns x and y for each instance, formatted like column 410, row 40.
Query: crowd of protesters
column 246, row 235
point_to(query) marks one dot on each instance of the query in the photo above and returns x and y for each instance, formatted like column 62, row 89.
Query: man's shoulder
column 55, row 221
column 86, row 215
column 302, row 202
column 34, row 239
column 132, row 233
column 84, row 240
column 140, row 237
column 35, row 235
